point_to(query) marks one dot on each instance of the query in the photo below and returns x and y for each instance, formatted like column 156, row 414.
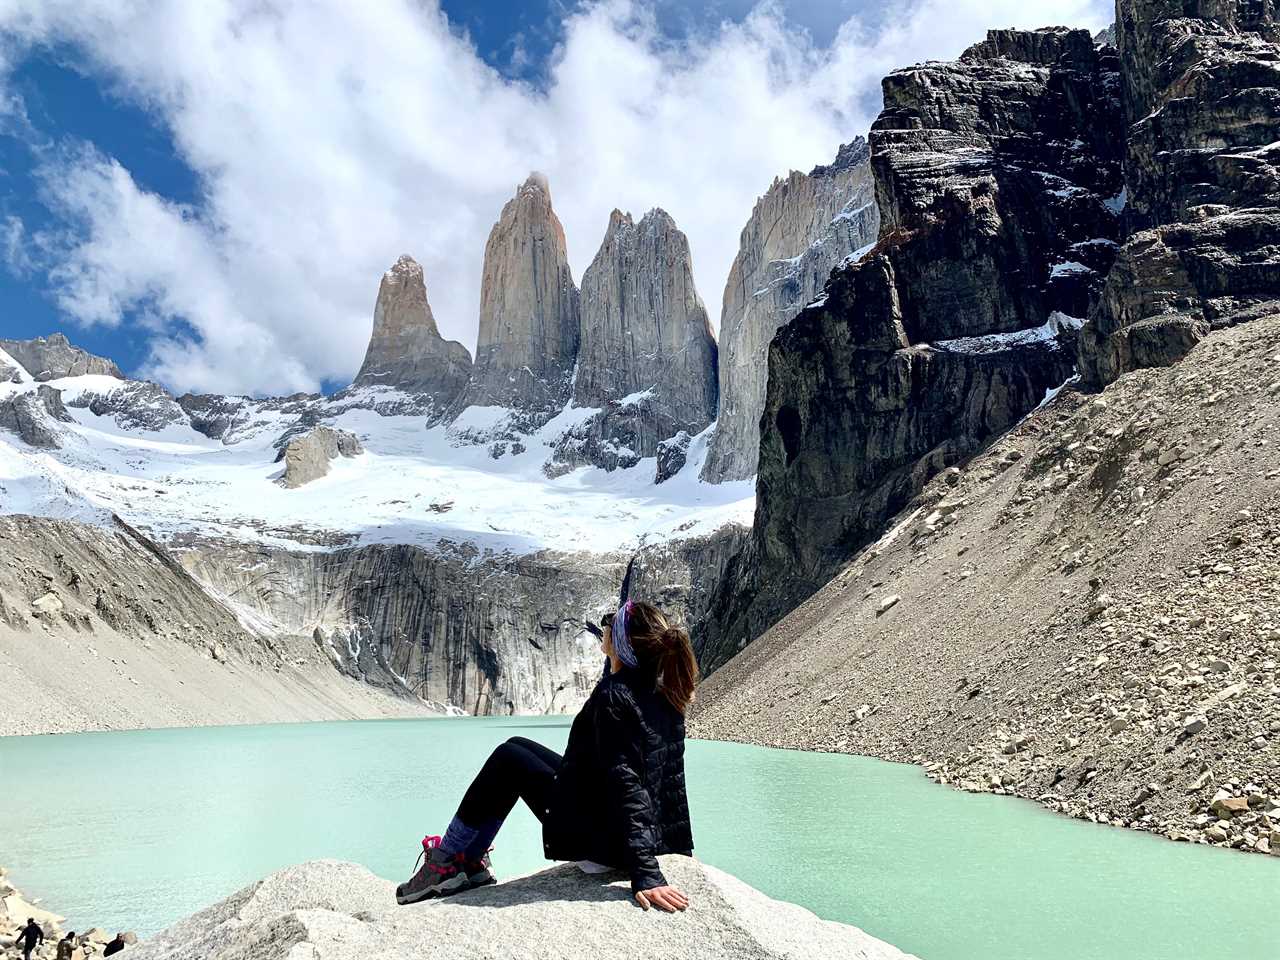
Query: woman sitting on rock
column 617, row 795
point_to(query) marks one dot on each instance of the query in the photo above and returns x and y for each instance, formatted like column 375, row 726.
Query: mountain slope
column 1086, row 613
column 101, row 629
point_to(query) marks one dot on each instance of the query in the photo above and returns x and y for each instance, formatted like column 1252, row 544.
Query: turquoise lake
column 133, row 830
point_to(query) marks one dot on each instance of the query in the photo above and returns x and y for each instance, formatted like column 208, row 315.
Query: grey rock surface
column 10, row 372
column 645, row 334
column 992, row 177
column 34, row 416
column 1201, row 90
column 329, row 910
column 406, row 350
column 681, row 576
column 306, row 456
column 134, row 404
column 53, row 357
column 484, row 634
column 529, row 310
column 801, row 229
column 140, row 643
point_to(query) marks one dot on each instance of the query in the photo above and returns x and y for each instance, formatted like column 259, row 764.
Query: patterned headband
column 621, row 640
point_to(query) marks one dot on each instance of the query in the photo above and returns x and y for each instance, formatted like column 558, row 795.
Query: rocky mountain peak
column 992, row 177
column 537, row 181
column 529, row 313
column 1049, row 46
column 406, row 349
column 645, row 330
column 646, row 353
column 802, row 228
column 53, row 357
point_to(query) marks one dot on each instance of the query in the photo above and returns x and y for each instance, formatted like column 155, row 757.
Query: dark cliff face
column 1202, row 171
column 995, row 177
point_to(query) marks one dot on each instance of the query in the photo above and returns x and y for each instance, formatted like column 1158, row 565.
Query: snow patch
column 631, row 399
column 1069, row 268
column 1048, row 332
column 414, row 484
column 1117, row 203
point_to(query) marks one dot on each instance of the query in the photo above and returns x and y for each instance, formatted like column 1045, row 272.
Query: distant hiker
column 617, row 795
column 115, row 946
column 30, row 936
column 66, row 946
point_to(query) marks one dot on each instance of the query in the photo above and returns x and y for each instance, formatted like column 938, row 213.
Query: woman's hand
column 664, row 898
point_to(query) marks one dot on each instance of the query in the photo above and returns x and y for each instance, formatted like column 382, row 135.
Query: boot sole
column 447, row 889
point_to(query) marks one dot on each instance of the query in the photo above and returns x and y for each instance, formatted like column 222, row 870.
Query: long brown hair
column 659, row 642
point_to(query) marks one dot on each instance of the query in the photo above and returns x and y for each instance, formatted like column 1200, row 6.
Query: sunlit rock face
column 529, row 309
column 406, row 350
column 53, row 357
column 806, row 225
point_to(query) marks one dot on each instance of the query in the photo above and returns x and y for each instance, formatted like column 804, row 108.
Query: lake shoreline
column 119, row 851
column 64, row 682
column 935, row 770
column 1073, row 809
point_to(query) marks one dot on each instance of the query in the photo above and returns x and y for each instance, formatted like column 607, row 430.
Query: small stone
column 1193, row 724
column 1101, row 605
column 48, row 605
column 1230, row 807
column 887, row 604
column 1119, row 724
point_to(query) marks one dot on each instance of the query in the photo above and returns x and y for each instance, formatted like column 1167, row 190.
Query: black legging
column 517, row 769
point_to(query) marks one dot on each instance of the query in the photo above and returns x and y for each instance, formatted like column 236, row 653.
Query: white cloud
column 329, row 137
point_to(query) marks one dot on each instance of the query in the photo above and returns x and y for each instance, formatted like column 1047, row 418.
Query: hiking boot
column 480, row 872
column 440, row 875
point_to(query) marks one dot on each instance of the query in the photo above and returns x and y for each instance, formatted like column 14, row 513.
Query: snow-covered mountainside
column 410, row 556
column 412, row 484
column 440, row 529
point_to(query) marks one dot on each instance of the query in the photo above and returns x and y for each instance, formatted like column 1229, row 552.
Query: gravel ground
column 1087, row 614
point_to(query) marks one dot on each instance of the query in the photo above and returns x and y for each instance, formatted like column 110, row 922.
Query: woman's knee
column 507, row 754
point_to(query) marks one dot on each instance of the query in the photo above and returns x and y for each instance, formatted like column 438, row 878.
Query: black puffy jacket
column 619, row 796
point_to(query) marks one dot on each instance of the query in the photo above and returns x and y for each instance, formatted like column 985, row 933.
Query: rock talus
column 801, row 229
column 529, row 309
column 992, row 176
column 406, row 350
column 328, row 910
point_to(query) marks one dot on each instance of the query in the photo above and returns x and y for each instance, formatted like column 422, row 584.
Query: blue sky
column 209, row 196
